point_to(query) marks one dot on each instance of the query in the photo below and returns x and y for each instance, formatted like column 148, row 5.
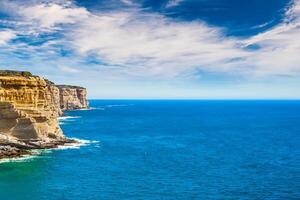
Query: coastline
column 30, row 108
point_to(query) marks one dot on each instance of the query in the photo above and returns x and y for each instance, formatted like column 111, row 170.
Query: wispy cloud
column 69, row 69
column 128, row 2
column 153, row 45
column 278, row 47
column 47, row 16
column 142, row 44
column 173, row 3
column 150, row 44
column 134, row 43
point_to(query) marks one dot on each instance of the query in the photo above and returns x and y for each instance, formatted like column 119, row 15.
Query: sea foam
column 64, row 118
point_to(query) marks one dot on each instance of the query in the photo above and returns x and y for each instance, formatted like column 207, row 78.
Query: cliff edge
column 72, row 97
column 29, row 111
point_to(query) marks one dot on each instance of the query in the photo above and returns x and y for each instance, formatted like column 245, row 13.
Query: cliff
column 72, row 97
column 29, row 111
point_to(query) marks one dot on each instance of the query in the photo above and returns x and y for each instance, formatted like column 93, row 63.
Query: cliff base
column 15, row 149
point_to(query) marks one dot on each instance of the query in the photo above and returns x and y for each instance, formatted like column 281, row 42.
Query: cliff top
column 70, row 86
column 15, row 73
column 26, row 74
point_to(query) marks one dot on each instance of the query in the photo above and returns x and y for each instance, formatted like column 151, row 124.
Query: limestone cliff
column 29, row 111
column 29, row 108
column 72, row 97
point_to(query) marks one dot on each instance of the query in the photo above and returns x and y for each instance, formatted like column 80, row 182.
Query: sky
column 157, row 49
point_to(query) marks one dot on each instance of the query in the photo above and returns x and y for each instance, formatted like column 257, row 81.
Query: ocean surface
column 153, row 150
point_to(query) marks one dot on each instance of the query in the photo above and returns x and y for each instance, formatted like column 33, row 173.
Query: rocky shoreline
column 29, row 109
column 24, row 148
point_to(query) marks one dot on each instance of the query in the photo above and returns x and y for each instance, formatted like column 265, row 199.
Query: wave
column 90, row 108
column 94, row 108
column 117, row 105
column 80, row 143
column 84, row 109
column 25, row 158
column 68, row 117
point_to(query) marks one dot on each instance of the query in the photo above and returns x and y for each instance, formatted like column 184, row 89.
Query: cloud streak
column 149, row 46
column 154, row 45
column 278, row 47
column 173, row 3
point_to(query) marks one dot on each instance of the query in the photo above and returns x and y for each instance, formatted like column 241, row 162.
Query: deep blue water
column 168, row 150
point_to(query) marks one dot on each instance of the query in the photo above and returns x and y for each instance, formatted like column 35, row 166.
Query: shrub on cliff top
column 15, row 73
column 26, row 74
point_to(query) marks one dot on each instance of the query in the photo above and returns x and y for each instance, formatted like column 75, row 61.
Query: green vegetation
column 49, row 82
column 15, row 73
column 26, row 74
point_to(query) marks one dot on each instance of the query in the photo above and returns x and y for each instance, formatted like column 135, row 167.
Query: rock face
column 72, row 97
column 29, row 108
column 29, row 111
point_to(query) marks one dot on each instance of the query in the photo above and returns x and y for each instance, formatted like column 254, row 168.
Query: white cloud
column 127, row 2
column 279, row 47
column 69, row 69
column 173, row 3
column 49, row 15
column 151, row 45
column 40, row 17
column 6, row 36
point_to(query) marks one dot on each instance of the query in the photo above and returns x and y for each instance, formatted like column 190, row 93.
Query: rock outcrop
column 72, row 97
column 29, row 111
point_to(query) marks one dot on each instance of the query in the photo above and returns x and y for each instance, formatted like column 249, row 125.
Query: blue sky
column 199, row 49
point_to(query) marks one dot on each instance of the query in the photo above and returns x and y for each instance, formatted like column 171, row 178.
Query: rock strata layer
column 29, row 111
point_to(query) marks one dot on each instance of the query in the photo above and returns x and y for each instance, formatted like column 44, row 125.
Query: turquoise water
column 168, row 150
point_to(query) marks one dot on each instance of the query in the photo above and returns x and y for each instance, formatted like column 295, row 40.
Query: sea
column 167, row 150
